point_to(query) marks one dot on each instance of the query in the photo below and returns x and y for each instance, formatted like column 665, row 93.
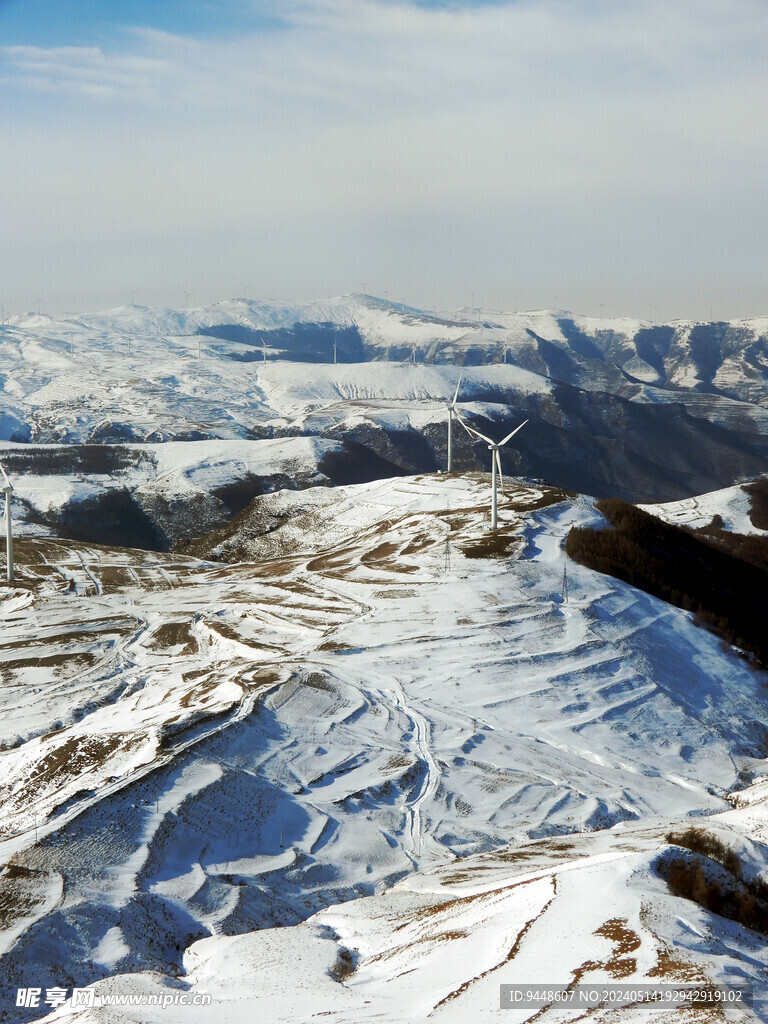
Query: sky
column 608, row 158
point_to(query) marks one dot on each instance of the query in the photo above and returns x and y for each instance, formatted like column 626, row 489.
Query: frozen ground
column 587, row 910
column 142, row 374
column 94, row 408
column 385, row 735
column 182, row 478
column 732, row 504
column 138, row 374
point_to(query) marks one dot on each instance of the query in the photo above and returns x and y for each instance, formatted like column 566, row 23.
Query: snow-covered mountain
column 285, row 726
column 645, row 411
column 387, row 746
column 724, row 356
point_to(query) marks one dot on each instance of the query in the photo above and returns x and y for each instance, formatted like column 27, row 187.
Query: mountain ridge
column 600, row 423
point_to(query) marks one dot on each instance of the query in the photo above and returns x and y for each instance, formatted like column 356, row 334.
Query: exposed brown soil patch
column 625, row 941
column 333, row 645
column 496, row 544
column 174, row 634
column 82, row 660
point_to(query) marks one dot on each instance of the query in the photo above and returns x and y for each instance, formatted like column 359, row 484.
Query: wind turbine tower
column 495, row 464
column 8, row 491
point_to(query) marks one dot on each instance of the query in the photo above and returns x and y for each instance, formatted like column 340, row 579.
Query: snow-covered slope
column 196, row 751
column 590, row 910
column 151, row 495
column 615, row 406
column 731, row 504
column 152, row 371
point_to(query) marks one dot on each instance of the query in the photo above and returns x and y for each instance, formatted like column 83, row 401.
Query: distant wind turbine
column 245, row 291
column 8, row 491
column 495, row 462
column 186, row 298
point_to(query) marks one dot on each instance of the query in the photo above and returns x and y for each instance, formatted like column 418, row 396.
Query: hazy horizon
column 468, row 312
column 607, row 160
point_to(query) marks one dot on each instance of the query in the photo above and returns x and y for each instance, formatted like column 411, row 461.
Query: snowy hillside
column 285, row 725
column 646, row 411
column 731, row 504
column 387, row 720
column 153, row 495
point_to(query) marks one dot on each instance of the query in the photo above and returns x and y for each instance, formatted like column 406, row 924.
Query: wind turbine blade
column 513, row 433
column 5, row 476
column 471, row 430
column 458, row 385
column 498, row 467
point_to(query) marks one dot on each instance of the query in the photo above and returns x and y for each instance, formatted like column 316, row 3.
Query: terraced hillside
column 377, row 718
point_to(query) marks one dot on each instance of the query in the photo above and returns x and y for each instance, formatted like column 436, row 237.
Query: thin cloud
column 88, row 71
column 360, row 122
column 397, row 51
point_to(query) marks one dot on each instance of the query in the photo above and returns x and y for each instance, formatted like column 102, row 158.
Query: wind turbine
column 8, row 491
column 451, row 413
column 495, row 461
